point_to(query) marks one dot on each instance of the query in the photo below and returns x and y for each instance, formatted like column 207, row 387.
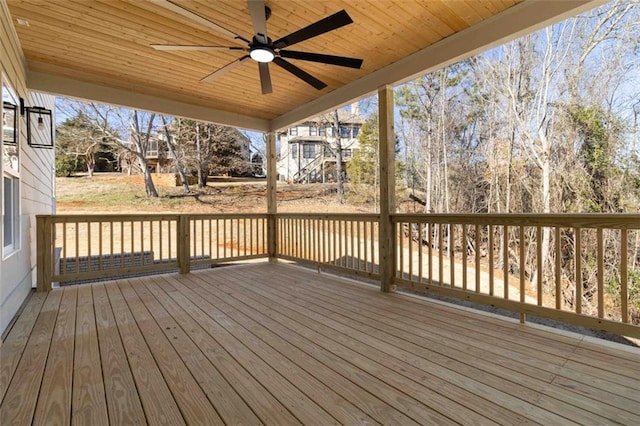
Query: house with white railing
column 303, row 337
column 308, row 150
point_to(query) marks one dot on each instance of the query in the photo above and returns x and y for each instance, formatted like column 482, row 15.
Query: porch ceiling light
column 262, row 54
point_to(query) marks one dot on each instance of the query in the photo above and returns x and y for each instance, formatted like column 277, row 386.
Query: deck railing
column 526, row 263
column 79, row 248
column 340, row 242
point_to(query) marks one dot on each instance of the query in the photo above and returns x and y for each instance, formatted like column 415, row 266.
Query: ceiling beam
column 521, row 19
column 64, row 86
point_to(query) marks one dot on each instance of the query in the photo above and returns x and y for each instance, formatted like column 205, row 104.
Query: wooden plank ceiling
column 107, row 43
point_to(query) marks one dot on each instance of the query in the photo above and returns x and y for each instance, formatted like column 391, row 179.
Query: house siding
column 37, row 180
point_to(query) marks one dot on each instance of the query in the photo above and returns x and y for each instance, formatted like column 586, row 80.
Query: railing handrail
column 90, row 217
column 330, row 216
column 569, row 220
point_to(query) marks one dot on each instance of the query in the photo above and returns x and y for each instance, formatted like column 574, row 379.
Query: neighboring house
column 308, row 150
column 27, row 178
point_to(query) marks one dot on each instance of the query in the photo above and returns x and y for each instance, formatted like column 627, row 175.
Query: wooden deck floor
column 276, row 344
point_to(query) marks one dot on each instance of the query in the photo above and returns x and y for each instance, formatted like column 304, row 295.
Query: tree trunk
column 149, row 186
column 172, row 150
column 339, row 172
column 429, row 184
column 202, row 179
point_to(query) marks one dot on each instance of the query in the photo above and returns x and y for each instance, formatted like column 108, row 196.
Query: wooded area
column 547, row 123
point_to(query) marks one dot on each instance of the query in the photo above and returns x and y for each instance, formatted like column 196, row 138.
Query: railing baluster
column 141, row 243
column 373, row 246
column 491, row 262
column 400, row 232
column 77, row 253
column 440, row 255
column 539, row 264
column 341, row 253
column 464, row 256
column 430, row 251
column 600, row 273
column 411, row 251
column 523, row 265
column 505, row 260
column 63, row 267
column 324, row 240
column 420, row 230
column 624, row 292
column 100, row 266
column 578, row 262
column 558, row 271
column 452, row 254
column 160, row 240
column 477, row 245
column 151, row 233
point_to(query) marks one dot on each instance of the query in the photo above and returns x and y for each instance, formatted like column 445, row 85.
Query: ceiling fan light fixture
column 262, row 54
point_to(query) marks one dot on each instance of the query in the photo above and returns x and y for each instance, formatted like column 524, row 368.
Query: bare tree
column 175, row 153
column 127, row 131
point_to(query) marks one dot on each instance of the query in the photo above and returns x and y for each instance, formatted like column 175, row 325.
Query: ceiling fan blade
column 170, row 5
column 186, row 47
column 301, row 74
column 220, row 72
column 324, row 59
column 257, row 11
column 265, row 78
column 337, row 20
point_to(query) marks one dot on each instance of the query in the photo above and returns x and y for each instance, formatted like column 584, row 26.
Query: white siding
column 17, row 270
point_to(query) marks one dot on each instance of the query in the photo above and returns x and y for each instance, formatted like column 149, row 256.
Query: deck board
column 13, row 346
column 54, row 400
column 123, row 401
column 19, row 403
column 89, row 398
column 279, row 344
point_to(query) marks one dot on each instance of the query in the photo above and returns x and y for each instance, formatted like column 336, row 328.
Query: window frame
column 308, row 151
column 10, row 172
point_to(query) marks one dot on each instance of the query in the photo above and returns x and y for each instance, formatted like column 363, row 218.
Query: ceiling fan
column 262, row 49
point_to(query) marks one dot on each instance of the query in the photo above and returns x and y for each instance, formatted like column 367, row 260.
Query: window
column 9, row 123
column 322, row 131
column 294, row 151
column 293, row 131
column 356, row 130
column 346, row 153
column 10, row 213
column 308, row 150
column 313, row 131
column 345, row 132
column 9, row 170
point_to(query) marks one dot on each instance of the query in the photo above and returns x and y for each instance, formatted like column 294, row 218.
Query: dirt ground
column 117, row 193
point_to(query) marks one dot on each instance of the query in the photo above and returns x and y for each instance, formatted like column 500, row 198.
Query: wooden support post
column 44, row 253
column 387, row 186
column 183, row 239
column 272, row 179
